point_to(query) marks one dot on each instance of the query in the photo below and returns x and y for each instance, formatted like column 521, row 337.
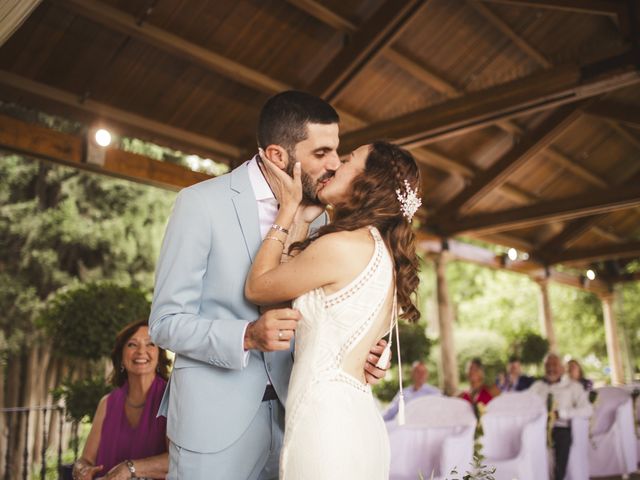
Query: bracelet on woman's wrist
column 279, row 228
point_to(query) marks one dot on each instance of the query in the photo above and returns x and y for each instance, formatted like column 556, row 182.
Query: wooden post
column 445, row 322
column 611, row 335
column 546, row 317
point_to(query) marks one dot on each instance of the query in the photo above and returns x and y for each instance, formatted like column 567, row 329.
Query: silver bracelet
column 270, row 237
column 279, row 228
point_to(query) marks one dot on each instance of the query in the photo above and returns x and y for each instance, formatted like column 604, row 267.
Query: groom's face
column 318, row 156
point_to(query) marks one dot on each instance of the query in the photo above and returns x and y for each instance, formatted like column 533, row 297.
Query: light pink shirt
column 267, row 210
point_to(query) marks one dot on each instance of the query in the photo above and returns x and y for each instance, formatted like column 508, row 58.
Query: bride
column 349, row 280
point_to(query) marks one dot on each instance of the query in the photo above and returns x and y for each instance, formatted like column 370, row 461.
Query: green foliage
column 81, row 398
column 489, row 346
column 83, row 321
column 60, row 227
column 531, row 347
column 386, row 389
column 414, row 344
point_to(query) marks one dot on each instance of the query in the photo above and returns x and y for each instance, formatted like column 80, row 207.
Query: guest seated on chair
column 514, row 380
column 568, row 400
column 419, row 388
column 127, row 440
column 478, row 391
column 574, row 369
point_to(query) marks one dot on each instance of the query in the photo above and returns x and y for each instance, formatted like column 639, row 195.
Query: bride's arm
column 270, row 281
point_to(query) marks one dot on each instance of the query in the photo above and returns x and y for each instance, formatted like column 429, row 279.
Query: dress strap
column 386, row 355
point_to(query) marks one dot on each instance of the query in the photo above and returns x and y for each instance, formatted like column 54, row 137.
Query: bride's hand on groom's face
column 372, row 373
column 286, row 189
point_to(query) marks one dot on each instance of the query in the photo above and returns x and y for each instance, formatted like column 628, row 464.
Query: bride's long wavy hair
column 373, row 202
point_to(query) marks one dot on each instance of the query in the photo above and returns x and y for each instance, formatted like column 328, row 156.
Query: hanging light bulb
column 103, row 137
column 591, row 275
column 512, row 253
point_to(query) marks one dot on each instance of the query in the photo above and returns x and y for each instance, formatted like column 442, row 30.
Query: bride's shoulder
column 344, row 242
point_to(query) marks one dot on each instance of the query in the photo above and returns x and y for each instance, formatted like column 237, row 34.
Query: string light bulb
column 103, row 137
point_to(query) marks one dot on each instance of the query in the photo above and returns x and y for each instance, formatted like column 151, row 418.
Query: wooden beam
column 537, row 92
column 497, row 174
column 625, row 277
column 503, row 27
column 545, row 212
column 126, row 24
column 386, row 24
column 561, row 159
column 607, row 252
column 465, row 252
column 420, row 72
column 624, row 132
column 596, row 7
column 616, row 111
column 325, row 15
column 148, row 129
column 44, row 143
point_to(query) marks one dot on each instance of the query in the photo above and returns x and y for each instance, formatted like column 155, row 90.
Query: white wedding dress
column 333, row 429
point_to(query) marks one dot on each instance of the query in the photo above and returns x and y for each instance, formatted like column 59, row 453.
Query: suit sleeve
column 175, row 322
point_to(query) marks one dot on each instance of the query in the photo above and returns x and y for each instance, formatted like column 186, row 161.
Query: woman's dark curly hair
column 119, row 375
column 373, row 202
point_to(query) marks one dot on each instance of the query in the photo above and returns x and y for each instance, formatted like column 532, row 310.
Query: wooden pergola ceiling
column 483, row 74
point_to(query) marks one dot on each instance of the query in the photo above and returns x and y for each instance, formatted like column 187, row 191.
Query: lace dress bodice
column 333, row 337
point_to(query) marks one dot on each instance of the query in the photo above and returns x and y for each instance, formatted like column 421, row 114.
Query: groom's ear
column 277, row 155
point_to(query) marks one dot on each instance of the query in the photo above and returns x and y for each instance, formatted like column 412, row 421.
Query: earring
column 121, row 368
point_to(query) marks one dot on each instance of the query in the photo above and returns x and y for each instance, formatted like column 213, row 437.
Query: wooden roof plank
column 506, row 29
column 596, row 7
column 386, row 24
column 616, row 111
column 325, row 15
column 540, row 91
column 497, row 174
column 127, row 24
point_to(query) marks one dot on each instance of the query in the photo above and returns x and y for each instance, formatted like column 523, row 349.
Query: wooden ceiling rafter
column 158, row 132
column 533, row 93
column 457, row 250
column 578, row 206
column 381, row 30
column 126, row 24
column 506, row 30
column 601, row 253
column 596, row 7
column 497, row 174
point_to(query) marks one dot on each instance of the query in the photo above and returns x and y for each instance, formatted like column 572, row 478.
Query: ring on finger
column 280, row 334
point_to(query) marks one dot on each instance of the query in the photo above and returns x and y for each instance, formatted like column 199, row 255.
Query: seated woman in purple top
column 127, row 439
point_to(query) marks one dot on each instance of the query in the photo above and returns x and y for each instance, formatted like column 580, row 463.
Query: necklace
column 133, row 405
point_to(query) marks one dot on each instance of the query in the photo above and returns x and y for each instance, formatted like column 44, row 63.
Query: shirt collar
column 261, row 188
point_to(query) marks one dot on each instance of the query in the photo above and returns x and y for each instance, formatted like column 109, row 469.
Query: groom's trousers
column 254, row 456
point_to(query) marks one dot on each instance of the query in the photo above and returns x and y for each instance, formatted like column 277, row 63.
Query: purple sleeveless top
column 119, row 441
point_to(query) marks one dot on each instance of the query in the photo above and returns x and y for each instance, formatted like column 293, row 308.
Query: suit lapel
column 246, row 207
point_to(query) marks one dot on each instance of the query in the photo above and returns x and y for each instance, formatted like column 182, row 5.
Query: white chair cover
column 613, row 446
column 514, row 438
column 437, row 438
column 630, row 388
column 578, row 464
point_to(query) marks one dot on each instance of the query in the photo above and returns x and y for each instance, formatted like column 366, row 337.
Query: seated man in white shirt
column 419, row 388
column 568, row 400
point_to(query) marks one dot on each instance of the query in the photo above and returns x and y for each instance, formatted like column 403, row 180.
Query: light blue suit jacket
column 199, row 312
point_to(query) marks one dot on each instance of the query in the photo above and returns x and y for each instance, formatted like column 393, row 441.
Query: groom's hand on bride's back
column 372, row 373
column 272, row 331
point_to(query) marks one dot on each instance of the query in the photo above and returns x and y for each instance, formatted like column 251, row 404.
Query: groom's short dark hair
column 284, row 117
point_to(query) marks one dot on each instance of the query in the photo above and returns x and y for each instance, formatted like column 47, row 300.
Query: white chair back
column 504, row 421
column 608, row 401
column 435, row 411
column 438, row 435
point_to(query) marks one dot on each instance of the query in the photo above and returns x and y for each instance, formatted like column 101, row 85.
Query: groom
column 224, row 403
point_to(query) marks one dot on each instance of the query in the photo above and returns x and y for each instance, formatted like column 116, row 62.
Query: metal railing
column 13, row 416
